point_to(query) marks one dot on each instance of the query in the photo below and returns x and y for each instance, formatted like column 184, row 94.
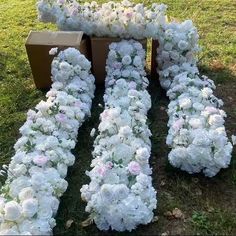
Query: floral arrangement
column 120, row 195
column 197, row 134
column 177, row 51
column 113, row 19
column 35, row 182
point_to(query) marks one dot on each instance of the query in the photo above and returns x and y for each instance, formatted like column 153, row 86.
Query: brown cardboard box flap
column 38, row 45
column 60, row 38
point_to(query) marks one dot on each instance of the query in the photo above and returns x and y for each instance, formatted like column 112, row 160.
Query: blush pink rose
column 211, row 110
column 102, row 170
column 40, row 160
column 117, row 65
column 129, row 15
column 105, row 114
column 61, row 117
column 109, row 165
column 177, row 125
column 78, row 103
column 61, row 1
column 134, row 168
column 132, row 85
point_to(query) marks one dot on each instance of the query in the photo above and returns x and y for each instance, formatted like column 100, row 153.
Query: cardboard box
column 154, row 64
column 100, row 50
column 38, row 45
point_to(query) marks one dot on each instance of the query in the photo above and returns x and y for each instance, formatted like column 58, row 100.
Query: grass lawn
column 208, row 205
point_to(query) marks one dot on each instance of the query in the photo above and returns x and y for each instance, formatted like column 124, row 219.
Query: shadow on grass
column 13, row 65
column 218, row 72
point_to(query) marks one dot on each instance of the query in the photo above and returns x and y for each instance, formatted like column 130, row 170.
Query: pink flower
column 129, row 15
column 109, row 165
column 61, row 117
column 132, row 85
column 177, row 125
column 78, row 103
column 117, row 65
column 134, row 168
column 40, row 160
column 61, row 1
column 102, row 170
column 111, row 82
column 74, row 11
column 211, row 110
column 105, row 114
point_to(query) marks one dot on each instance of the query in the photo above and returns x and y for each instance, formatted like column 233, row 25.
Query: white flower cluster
column 113, row 19
column 197, row 133
column 120, row 195
column 178, row 46
column 30, row 197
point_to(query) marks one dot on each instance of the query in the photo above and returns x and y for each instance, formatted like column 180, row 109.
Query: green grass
column 208, row 204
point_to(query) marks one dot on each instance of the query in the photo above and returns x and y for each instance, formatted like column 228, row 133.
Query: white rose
column 125, row 131
column 43, row 226
column 26, row 193
column 53, row 51
column 142, row 155
column 107, row 192
column 44, row 212
column 216, row 120
column 121, row 191
column 125, row 49
column 174, row 55
column 195, row 123
column 198, row 106
column 183, row 45
column 168, row 46
column 62, row 169
column 64, row 66
column 30, row 207
column 18, row 184
column 165, row 55
column 135, row 75
column 207, row 92
column 185, row 103
column 19, row 169
column 137, row 61
column 37, row 180
column 126, row 60
column 12, row 211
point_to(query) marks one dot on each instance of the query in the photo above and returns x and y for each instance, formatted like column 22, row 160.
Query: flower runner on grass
column 120, row 195
column 123, row 19
column 197, row 135
column 35, row 181
column 177, row 50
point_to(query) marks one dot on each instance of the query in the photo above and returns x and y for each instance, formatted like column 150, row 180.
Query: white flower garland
column 113, row 19
column 30, row 197
column 178, row 46
column 197, row 133
column 120, row 194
